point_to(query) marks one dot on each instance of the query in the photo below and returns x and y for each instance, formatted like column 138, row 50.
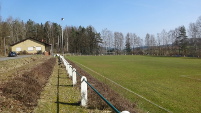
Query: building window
column 30, row 49
column 18, row 49
column 38, row 48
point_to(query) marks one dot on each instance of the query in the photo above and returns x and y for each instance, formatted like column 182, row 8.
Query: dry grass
column 20, row 93
column 16, row 67
column 60, row 96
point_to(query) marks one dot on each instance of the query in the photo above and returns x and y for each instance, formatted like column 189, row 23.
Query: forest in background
column 80, row 39
column 86, row 40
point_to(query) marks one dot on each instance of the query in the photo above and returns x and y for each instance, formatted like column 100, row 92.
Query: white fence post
column 70, row 71
column 83, row 91
column 68, row 67
column 65, row 63
column 74, row 77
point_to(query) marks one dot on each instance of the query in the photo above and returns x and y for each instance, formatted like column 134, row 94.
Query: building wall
column 31, row 46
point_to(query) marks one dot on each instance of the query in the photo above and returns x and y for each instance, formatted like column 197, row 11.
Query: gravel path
column 19, row 56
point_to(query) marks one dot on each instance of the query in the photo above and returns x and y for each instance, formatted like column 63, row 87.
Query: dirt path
column 19, row 56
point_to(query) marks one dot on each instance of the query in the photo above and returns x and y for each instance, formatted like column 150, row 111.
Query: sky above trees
column 138, row 16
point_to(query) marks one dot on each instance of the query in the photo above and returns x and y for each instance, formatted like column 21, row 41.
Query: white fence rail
column 73, row 74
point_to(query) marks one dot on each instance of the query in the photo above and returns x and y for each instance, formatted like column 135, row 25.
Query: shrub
column 39, row 52
column 23, row 52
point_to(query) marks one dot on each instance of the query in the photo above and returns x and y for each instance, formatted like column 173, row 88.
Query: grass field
column 173, row 83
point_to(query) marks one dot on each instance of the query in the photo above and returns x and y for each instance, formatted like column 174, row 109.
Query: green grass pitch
column 173, row 83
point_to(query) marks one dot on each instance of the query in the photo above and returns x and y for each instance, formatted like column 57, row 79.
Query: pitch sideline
column 126, row 89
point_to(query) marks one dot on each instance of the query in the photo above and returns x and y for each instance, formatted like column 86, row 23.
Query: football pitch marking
column 186, row 76
column 126, row 89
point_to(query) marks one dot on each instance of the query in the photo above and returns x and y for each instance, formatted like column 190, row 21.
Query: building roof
column 46, row 44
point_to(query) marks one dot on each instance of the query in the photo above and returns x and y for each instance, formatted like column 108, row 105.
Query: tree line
column 86, row 40
column 175, row 42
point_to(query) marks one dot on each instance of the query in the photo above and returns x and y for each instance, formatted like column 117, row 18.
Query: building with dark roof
column 31, row 46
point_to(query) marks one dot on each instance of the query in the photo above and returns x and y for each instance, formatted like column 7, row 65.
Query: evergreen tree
column 181, row 41
column 128, row 44
column 30, row 29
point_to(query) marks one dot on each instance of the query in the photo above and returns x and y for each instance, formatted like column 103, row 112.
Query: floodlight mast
column 62, row 37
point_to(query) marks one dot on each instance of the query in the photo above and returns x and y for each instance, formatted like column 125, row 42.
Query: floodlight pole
column 67, row 40
column 62, row 37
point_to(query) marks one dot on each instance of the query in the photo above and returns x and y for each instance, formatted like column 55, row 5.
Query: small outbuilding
column 31, row 46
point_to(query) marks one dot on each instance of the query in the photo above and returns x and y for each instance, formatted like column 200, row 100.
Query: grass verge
column 59, row 96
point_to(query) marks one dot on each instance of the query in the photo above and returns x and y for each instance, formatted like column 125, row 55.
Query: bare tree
column 134, row 40
column 198, row 25
column 139, row 42
column 159, row 42
column 164, row 41
column 193, row 30
column 18, row 30
column 104, row 36
column 107, row 37
column 195, row 35
column 47, row 28
column 150, row 42
column 110, row 39
column 119, row 38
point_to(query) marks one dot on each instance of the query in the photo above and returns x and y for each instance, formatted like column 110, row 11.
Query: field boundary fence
column 128, row 90
column 84, row 83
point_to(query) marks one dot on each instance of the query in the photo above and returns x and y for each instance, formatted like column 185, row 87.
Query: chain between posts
column 115, row 109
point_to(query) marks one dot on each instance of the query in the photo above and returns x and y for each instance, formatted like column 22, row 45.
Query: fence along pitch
column 74, row 78
column 83, row 91
column 129, row 90
column 84, row 84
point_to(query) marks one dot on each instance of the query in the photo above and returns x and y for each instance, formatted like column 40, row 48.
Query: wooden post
column 74, row 77
column 83, row 91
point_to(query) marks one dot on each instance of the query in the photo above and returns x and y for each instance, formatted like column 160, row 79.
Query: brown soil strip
column 21, row 93
column 12, row 68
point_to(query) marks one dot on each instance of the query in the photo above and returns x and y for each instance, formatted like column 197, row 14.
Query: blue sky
column 135, row 16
